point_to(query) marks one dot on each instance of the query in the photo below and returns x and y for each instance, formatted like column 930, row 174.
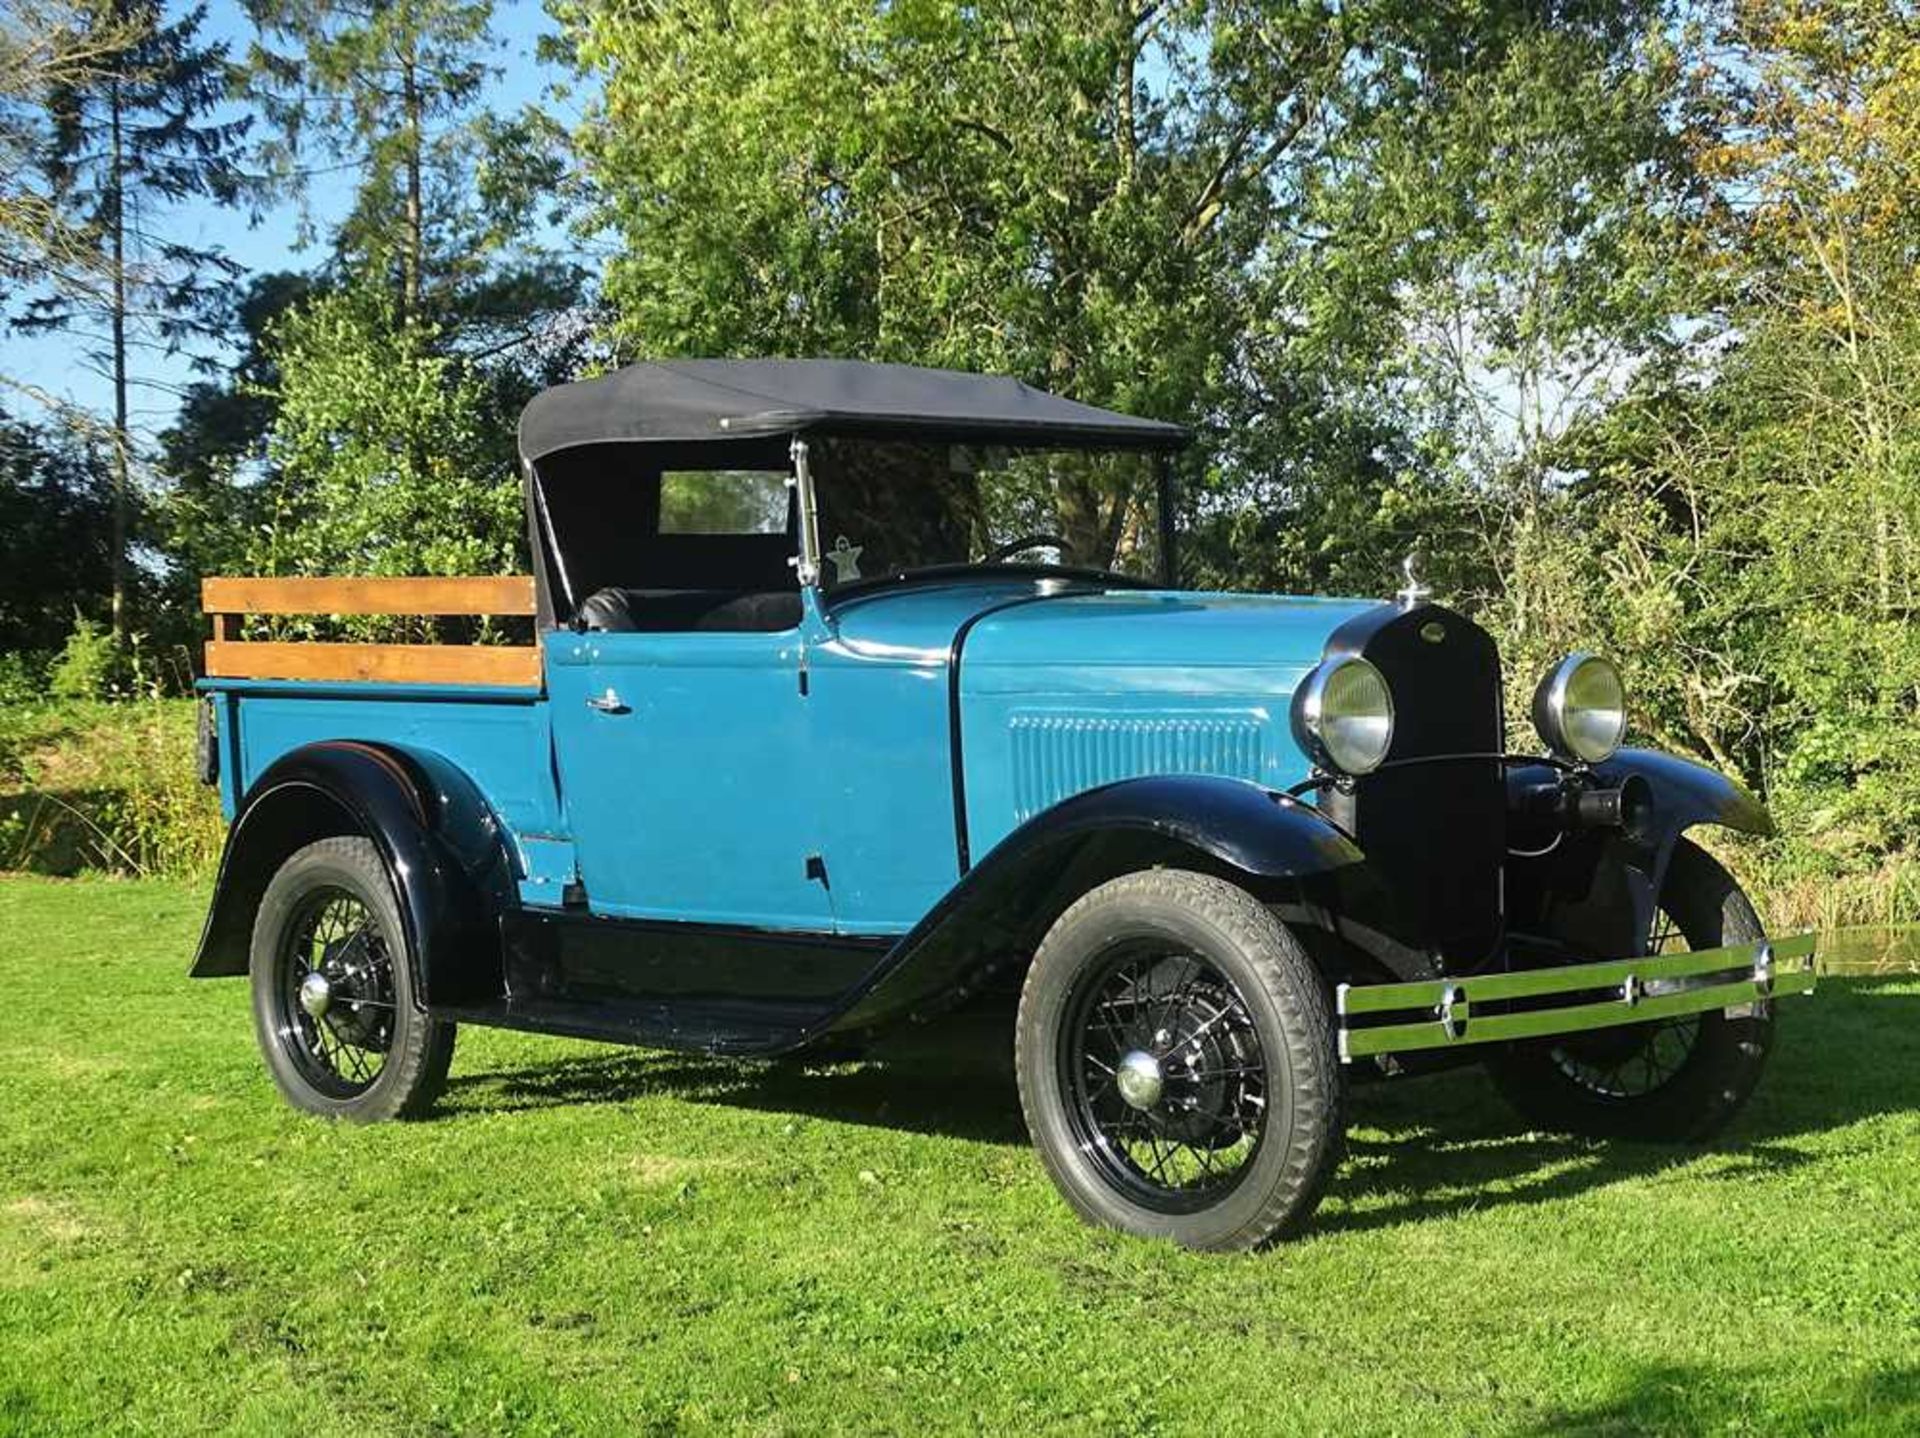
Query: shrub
column 105, row 786
column 88, row 666
column 22, row 678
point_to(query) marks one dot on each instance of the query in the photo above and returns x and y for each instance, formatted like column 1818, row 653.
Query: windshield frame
column 807, row 562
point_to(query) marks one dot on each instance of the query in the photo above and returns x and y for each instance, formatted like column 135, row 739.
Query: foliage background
column 1608, row 308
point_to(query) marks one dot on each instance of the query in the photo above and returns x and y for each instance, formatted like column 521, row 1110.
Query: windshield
column 889, row 507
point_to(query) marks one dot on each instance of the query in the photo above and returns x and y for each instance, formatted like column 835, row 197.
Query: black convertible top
column 690, row 401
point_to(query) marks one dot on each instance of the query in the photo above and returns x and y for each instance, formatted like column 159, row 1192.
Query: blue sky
column 58, row 365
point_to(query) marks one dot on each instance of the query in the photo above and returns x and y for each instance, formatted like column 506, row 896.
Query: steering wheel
column 1029, row 541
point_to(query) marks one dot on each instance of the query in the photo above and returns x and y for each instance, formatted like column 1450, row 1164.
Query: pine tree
column 127, row 142
column 44, row 45
column 386, row 89
column 440, row 313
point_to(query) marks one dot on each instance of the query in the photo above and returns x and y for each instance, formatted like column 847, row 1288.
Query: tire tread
column 417, row 1064
column 1318, row 1088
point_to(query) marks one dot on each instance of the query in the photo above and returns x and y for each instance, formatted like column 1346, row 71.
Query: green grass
column 587, row 1239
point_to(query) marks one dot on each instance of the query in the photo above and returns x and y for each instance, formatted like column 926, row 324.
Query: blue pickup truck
column 794, row 749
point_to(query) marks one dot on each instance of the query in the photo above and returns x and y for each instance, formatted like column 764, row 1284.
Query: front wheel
column 1177, row 1066
column 1680, row 1080
column 333, row 998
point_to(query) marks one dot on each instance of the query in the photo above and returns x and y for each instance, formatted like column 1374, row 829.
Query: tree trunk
column 122, row 439
column 414, row 244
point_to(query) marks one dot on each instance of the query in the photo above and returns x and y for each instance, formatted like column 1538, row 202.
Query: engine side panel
column 1060, row 697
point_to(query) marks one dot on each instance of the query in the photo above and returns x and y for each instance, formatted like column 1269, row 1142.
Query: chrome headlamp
column 1343, row 716
column 1580, row 708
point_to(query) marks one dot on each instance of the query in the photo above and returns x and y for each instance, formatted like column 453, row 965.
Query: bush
column 88, row 666
column 22, row 678
column 89, row 785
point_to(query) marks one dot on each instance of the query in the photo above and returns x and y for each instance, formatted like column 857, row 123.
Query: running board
column 1501, row 1007
column 720, row 1027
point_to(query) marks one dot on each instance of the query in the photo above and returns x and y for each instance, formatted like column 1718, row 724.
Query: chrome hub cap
column 1139, row 1079
column 316, row 994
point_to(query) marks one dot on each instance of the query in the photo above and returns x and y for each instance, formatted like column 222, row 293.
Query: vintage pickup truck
column 750, row 794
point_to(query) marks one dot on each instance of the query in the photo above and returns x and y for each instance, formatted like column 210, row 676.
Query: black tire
column 1615, row 1083
column 370, row 1053
column 1244, row 1124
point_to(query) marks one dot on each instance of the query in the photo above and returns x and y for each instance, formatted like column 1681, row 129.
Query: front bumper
column 1533, row 1003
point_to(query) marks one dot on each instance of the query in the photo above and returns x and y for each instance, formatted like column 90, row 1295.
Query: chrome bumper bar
column 1499, row 1007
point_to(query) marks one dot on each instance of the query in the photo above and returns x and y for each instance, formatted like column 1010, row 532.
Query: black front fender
column 1284, row 851
column 1686, row 794
column 442, row 847
column 1599, row 890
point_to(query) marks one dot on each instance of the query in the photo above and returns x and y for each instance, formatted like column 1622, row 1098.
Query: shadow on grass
column 1677, row 1399
column 954, row 1079
column 1420, row 1149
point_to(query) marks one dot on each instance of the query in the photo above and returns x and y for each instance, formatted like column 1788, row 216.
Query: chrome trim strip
column 1451, row 1011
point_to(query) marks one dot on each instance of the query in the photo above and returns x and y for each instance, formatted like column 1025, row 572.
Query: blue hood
column 1059, row 688
column 1065, row 694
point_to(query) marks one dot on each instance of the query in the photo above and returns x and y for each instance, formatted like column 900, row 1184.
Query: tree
column 445, row 191
column 440, row 312
column 372, row 452
column 55, row 523
column 1748, row 523
column 213, row 465
column 125, row 141
column 45, row 46
column 939, row 184
column 1183, row 210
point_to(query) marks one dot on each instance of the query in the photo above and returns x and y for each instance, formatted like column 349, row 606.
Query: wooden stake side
column 492, row 594
column 231, row 657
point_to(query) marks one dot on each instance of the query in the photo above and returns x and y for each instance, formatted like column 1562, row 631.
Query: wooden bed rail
column 231, row 657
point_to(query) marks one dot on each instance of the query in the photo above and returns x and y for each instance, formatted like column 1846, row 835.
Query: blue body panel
column 692, row 793
column 817, row 779
column 498, row 737
column 880, row 703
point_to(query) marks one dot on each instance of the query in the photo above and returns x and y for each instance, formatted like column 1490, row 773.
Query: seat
column 703, row 611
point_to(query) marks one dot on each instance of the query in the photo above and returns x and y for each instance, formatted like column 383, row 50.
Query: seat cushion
column 670, row 611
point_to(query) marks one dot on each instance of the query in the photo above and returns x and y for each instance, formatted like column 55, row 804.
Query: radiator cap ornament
column 1415, row 591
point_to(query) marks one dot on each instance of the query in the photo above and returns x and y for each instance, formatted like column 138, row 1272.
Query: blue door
column 685, row 775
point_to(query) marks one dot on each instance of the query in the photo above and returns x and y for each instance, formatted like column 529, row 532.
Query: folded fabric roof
column 688, row 401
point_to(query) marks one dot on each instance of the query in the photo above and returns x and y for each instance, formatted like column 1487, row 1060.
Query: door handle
column 608, row 703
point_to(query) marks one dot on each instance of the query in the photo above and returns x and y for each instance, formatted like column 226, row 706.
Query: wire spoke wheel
column 1629, row 1062
column 1678, row 1080
column 335, row 1008
column 1633, row 1062
column 335, row 993
column 1166, row 1081
column 1177, row 1064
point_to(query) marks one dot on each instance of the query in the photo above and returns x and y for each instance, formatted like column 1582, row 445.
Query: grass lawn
column 591, row 1239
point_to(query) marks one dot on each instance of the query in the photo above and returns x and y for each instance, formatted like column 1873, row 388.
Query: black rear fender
column 444, row 851
column 1285, row 852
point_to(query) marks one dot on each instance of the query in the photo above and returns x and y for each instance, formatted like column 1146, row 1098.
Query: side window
column 723, row 501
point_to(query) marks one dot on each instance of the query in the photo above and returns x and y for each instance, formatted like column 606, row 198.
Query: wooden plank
column 478, row 594
column 378, row 663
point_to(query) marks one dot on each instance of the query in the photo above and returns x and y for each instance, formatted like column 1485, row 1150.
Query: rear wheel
column 1176, row 1061
column 1676, row 1081
column 333, row 998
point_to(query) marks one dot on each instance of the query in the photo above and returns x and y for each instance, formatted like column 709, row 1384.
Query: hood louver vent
column 1058, row 755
